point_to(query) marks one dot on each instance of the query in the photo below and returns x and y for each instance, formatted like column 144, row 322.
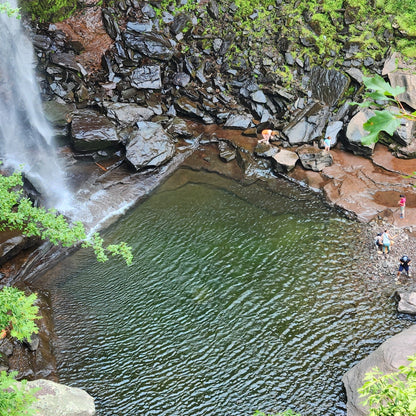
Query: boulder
column 308, row 125
column 13, row 246
column 328, row 85
column 127, row 114
column 188, row 107
column 146, row 77
column 91, row 131
column 332, row 130
column 388, row 357
column 407, row 302
column 56, row 399
column 402, row 74
column 227, row 152
column 153, row 45
column 313, row 158
column 149, row 146
column 238, row 121
column 284, row 161
column 179, row 128
column 356, row 132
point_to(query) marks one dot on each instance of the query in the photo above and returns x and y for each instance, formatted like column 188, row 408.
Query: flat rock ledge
column 388, row 357
column 56, row 399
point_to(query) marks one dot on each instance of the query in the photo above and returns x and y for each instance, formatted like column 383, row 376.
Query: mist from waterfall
column 26, row 139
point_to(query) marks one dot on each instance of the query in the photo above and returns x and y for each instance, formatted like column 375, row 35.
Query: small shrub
column 49, row 10
column 18, row 313
column 15, row 399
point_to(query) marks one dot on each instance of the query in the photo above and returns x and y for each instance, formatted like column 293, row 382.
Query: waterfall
column 26, row 139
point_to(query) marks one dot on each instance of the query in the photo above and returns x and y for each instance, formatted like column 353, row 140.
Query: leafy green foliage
column 285, row 413
column 18, row 313
column 391, row 394
column 15, row 399
column 49, row 10
column 380, row 93
column 6, row 8
column 18, row 213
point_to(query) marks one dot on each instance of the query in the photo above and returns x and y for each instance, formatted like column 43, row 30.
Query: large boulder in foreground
column 149, row 146
column 58, row 400
column 388, row 357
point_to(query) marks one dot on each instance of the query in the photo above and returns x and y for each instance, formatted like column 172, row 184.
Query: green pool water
column 240, row 298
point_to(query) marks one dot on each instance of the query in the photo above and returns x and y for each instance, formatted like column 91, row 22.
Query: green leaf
column 378, row 84
column 382, row 121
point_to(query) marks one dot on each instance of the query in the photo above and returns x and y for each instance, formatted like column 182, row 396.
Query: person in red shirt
column 402, row 203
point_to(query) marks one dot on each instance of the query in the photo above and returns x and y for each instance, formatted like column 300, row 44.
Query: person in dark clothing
column 404, row 265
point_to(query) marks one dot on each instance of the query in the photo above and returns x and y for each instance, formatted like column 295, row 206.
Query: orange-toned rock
column 87, row 29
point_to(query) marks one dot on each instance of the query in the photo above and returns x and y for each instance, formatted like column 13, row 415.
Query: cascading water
column 26, row 139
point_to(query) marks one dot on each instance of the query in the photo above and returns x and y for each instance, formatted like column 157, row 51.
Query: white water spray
column 25, row 135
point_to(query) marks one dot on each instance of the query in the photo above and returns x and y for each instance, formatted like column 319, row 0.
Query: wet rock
column 181, row 79
column 179, row 23
column 110, row 24
column 57, row 399
column 328, row 86
column 239, row 121
column 14, row 245
column 405, row 134
column 258, row 97
column 407, row 302
column 332, row 130
column 284, row 161
column 179, row 128
column 149, row 146
column 263, row 149
column 33, row 342
column 127, row 114
column 308, row 125
column 6, row 347
column 355, row 133
column 392, row 354
column 227, row 152
column 65, row 60
column 355, row 74
column 42, row 42
column 188, row 107
column 153, row 45
column 58, row 114
column 91, row 131
column 147, row 77
column 314, row 159
column 140, row 27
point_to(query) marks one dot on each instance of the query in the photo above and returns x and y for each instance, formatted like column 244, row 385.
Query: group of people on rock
column 267, row 134
column 383, row 243
column 384, row 240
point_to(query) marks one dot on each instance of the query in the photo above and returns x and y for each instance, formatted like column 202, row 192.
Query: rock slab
column 388, row 357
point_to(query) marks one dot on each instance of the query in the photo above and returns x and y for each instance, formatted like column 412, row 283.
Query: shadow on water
column 240, row 298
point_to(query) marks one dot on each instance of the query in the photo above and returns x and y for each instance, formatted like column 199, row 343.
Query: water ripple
column 232, row 305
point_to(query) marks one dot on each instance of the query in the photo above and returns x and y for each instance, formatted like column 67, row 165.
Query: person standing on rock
column 404, row 265
column 327, row 142
column 386, row 240
column 402, row 203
